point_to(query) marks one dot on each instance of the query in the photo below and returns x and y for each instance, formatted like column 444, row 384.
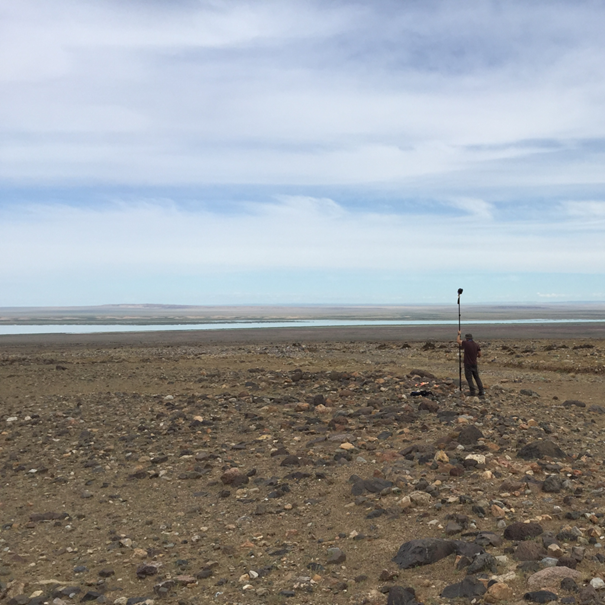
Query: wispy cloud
column 552, row 295
column 293, row 232
column 586, row 209
column 194, row 136
column 474, row 207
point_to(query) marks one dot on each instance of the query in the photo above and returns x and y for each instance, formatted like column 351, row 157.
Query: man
column 471, row 352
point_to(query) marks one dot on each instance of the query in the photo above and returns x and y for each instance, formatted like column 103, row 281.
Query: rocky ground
column 301, row 473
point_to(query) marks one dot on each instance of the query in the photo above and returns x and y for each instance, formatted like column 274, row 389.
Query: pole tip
column 459, row 291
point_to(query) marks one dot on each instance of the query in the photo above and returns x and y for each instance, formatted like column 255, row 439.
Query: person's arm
column 458, row 339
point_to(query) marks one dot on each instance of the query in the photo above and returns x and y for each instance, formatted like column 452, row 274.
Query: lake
column 238, row 325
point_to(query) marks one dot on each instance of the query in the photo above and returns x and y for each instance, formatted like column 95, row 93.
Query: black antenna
column 459, row 347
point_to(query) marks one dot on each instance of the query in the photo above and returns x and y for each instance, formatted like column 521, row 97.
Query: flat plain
column 269, row 466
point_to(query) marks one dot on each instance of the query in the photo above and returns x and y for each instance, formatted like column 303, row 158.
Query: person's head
column 468, row 336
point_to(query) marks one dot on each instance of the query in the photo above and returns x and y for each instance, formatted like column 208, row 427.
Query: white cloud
column 299, row 92
column 585, row 209
column 296, row 232
column 552, row 295
column 475, row 207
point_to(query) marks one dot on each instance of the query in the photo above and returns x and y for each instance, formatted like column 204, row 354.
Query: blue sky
column 297, row 151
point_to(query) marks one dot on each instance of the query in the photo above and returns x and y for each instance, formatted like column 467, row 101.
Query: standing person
column 471, row 352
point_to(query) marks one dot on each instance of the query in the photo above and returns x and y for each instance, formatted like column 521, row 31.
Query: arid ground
column 270, row 466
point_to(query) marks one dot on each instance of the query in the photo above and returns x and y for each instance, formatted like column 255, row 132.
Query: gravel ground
column 289, row 467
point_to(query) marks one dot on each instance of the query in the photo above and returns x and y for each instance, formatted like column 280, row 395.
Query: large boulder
column 551, row 577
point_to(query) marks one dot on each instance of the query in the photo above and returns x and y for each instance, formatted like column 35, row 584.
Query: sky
column 301, row 152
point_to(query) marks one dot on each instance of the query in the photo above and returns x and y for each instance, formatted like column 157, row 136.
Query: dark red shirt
column 470, row 348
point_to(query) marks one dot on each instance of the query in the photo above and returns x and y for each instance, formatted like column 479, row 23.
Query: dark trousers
column 471, row 372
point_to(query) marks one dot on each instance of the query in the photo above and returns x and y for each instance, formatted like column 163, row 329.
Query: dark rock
column 482, row 562
column 204, row 573
column 319, row 400
column 163, row 588
column 488, row 538
column 398, row 595
column 374, row 485
column 569, row 584
column 318, row 567
column 529, row 566
column 469, row 588
column 453, row 528
column 522, row 531
column 529, row 393
column 565, row 561
column 422, row 374
column 549, row 538
column 423, row 551
column 541, row 449
column 66, row 591
column 552, row 484
column 588, row 595
column 529, row 551
column 91, row 595
column 287, row 593
column 146, row 570
column 290, row 460
column 429, row 406
column 540, row 596
column 234, row 477
column 50, row 516
column 573, row 402
column 467, row 549
column 469, row 435
column 447, row 416
column 387, row 576
column 335, row 556
column 107, row 573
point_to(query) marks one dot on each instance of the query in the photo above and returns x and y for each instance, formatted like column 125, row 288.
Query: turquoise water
column 310, row 323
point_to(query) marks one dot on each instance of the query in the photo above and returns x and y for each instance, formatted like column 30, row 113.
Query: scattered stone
column 522, row 531
column 529, row 551
column 573, row 402
column 335, row 556
column 552, row 484
column 423, row 551
column 469, row 435
column 398, row 595
column 469, row 588
column 551, row 577
column 541, row 449
column 500, row 591
column 540, row 596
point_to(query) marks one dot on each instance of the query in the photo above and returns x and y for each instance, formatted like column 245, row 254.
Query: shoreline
column 547, row 331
